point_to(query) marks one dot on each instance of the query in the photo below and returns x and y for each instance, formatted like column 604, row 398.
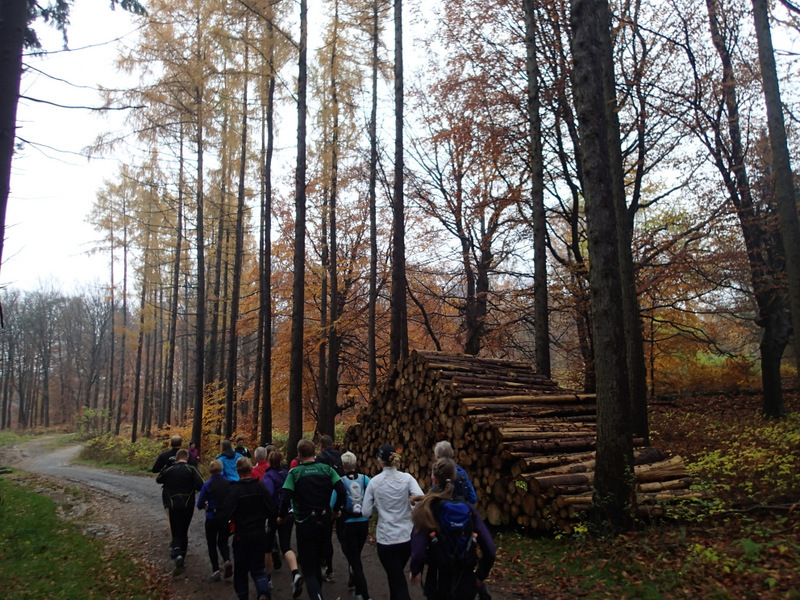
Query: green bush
column 113, row 450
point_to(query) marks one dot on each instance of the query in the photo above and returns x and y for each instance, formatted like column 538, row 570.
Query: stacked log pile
column 527, row 443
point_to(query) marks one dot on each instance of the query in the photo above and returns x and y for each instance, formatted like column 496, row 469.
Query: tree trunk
column 231, row 380
column 112, row 343
column 398, row 335
column 764, row 273
column 158, row 360
column 298, row 281
column 327, row 415
column 169, row 375
column 777, row 328
column 541, row 318
column 124, row 336
column 148, row 400
column 200, row 332
column 634, row 344
column 785, row 195
column 13, row 17
column 137, row 376
column 613, row 498
column 266, row 258
column 373, row 226
column 322, row 379
column 213, row 349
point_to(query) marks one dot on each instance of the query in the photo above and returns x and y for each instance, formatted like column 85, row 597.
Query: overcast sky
column 52, row 185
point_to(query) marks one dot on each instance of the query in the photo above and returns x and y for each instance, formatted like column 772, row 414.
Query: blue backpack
column 454, row 544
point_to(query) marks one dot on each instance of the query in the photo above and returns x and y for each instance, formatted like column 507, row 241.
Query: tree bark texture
column 298, row 283
column 231, row 378
column 541, row 317
column 765, row 272
column 200, row 332
column 785, row 194
column 13, row 14
column 613, row 497
column 398, row 336
column 265, row 314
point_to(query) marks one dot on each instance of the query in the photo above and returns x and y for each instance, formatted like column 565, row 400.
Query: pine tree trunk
column 169, row 375
column 298, row 282
column 200, row 332
column 327, row 416
column 137, row 375
column 231, row 380
column 266, row 259
column 373, row 227
column 398, row 335
column 124, row 336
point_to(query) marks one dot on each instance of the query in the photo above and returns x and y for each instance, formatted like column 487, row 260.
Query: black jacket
column 167, row 458
column 248, row 505
column 180, row 481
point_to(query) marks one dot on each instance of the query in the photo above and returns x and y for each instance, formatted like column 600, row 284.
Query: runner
column 389, row 493
column 308, row 490
column 180, row 482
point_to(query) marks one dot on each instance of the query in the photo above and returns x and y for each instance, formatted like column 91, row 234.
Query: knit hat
column 385, row 453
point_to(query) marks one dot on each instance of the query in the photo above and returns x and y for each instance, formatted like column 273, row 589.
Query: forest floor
column 744, row 544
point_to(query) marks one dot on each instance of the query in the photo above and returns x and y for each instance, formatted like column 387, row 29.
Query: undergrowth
column 740, row 543
column 113, row 450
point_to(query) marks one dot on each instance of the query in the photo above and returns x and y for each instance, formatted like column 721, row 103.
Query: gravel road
column 127, row 510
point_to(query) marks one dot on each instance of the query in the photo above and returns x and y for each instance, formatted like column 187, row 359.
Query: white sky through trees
column 52, row 185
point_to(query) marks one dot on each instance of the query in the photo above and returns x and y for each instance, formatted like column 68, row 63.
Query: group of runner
column 258, row 505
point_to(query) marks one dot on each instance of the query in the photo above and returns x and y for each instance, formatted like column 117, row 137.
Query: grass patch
column 9, row 437
column 42, row 556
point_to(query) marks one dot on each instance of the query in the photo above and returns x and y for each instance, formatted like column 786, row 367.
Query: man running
column 180, row 482
column 308, row 488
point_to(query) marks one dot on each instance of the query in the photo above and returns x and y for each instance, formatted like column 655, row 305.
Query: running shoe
column 216, row 576
column 180, row 565
column 228, row 569
column 297, row 585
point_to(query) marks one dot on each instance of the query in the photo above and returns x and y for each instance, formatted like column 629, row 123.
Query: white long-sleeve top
column 388, row 493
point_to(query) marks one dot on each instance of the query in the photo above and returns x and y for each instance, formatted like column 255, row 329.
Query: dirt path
column 127, row 510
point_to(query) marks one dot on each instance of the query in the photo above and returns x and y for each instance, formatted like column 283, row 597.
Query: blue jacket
column 212, row 495
column 228, row 460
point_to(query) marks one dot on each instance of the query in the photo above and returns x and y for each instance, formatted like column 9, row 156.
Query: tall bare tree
column 298, row 278
column 785, row 194
column 613, row 499
column 398, row 336
column 231, row 379
column 541, row 318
